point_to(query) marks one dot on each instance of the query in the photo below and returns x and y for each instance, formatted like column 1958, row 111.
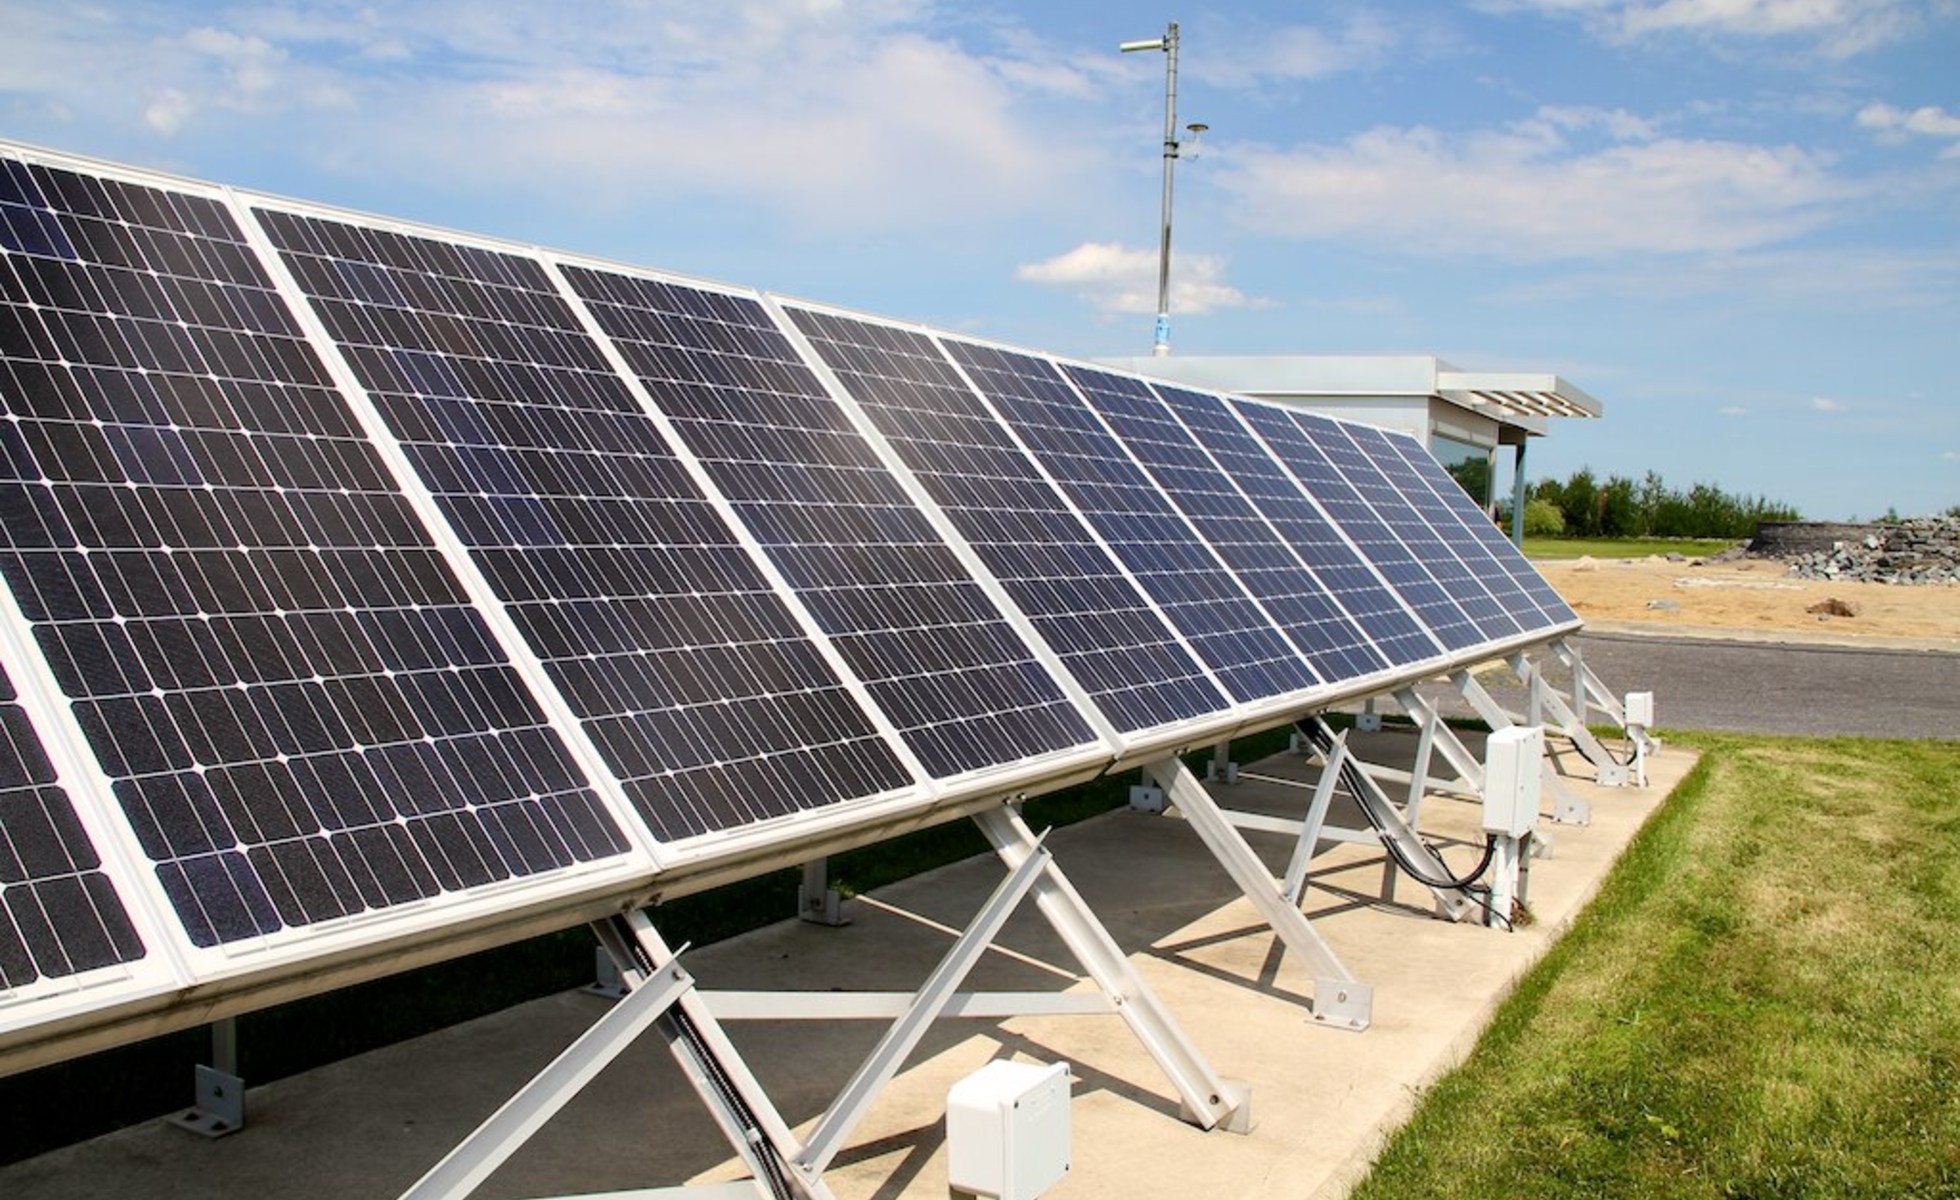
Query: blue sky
column 1737, row 222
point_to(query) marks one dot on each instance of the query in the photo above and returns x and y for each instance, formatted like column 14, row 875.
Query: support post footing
column 220, row 1105
column 1343, row 1004
column 1236, row 1095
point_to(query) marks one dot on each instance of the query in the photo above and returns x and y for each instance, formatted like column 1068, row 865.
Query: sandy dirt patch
column 1752, row 597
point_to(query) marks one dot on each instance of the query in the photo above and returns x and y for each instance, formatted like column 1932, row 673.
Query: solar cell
column 59, row 912
column 1213, row 612
column 1465, row 512
column 1291, row 595
column 1388, row 624
column 692, row 677
column 962, row 687
column 302, row 716
column 1338, row 441
column 1294, row 439
column 1110, row 637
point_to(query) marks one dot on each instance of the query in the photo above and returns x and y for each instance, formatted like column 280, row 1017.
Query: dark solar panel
column 59, row 914
column 1210, row 608
column 1339, row 441
column 960, row 684
column 1463, row 544
column 1464, row 512
column 1100, row 625
column 303, row 716
column 1291, row 594
column 1395, row 634
column 1293, row 438
column 707, row 702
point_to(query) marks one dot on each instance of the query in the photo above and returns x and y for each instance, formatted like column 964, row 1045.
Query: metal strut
column 662, row 997
column 1340, row 1000
column 1399, row 836
column 1542, row 696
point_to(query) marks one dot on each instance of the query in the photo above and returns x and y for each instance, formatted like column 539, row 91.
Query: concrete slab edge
column 1341, row 1181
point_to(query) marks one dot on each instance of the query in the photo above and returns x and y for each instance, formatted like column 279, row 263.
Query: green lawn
column 1536, row 547
column 1764, row 1001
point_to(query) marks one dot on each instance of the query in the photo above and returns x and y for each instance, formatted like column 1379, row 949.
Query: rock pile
column 1924, row 550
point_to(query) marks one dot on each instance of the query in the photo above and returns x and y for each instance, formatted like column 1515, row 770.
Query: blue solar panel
column 1100, row 625
column 962, row 687
column 1388, row 624
column 1294, row 439
column 1291, row 594
column 1338, row 441
column 1457, row 506
column 1209, row 607
column 303, row 716
column 1463, row 546
column 688, row 672
column 59, row 912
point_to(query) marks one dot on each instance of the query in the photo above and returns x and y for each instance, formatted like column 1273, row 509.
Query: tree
column 1542, row 518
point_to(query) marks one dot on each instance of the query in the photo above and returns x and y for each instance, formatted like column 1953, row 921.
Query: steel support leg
column 1208, row 1099
column 1340, row 1000
column 1611, row 772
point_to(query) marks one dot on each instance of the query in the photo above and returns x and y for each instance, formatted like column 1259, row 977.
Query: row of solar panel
column 357, row 571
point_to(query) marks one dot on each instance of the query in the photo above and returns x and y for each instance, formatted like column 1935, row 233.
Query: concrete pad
column 1322, row 1098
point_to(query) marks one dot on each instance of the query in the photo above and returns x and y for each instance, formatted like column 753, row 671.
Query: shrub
column 1542, row 518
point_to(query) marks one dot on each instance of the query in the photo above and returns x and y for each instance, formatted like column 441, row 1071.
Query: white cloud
column 1896, row 124
column 1245, row 53
column 1536, row 190
column 1119, row 279
column 1826, row 404
column 1950, row 456
column 1838, row 28
column 1733, row 410
column 836, row 116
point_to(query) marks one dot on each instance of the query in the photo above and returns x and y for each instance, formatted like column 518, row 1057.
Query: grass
column 1544, row 548
column 1763, row 1001
column 135, row 1083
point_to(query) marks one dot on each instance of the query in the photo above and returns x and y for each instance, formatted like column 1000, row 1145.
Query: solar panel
column 1215, row 615
column 1103, row 628
column 1421, row 502
column 1464, row 511
column 60, row 915
column 1388, row 624
column 1291, row 594
column 302, row 716
column 1294, row 439
column 1338, row 441
column 706, row 700
column 963, row 688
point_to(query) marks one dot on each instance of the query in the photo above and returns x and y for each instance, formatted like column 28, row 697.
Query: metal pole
column 1161, row 345
column 1518, row 497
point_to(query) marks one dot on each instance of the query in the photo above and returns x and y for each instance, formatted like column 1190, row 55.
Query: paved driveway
column 1762, row 687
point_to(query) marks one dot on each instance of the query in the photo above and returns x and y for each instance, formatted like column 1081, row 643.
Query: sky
column 1735, row 222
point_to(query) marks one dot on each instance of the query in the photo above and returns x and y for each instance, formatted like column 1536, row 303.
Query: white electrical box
column 1512, row 759
column 1007, row 1130
column 1640, row 709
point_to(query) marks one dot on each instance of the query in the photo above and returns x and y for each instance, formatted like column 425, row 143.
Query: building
column 1464, row 417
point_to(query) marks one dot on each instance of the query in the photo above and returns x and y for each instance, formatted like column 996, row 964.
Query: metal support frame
column 1341, row 1001
column 1567, row 808
column 816, row 901
column 1543, row 697
column 218, row 1093
column 662, row 997
column 1393, row 827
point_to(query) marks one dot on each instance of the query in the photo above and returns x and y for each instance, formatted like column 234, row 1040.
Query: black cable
column 1357, row 787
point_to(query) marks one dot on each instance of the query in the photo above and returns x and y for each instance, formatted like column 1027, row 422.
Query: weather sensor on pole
column 1161, row 345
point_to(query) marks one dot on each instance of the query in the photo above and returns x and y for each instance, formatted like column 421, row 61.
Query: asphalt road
column 1756, row 687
